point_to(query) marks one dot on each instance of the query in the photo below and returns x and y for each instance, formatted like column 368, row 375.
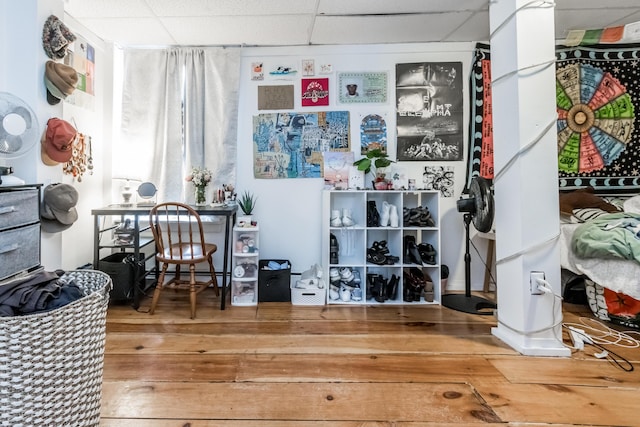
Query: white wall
column 289, row 210
column 22, row 75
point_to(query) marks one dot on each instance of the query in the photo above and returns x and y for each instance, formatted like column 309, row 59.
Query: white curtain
column 179, row 110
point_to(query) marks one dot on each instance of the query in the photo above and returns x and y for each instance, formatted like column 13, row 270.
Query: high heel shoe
column 393, row 216
column 373, row 217
column 427, row 253
column 384, row 215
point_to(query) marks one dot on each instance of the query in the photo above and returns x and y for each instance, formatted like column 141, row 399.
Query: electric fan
column 478, row 207
column 18, row 133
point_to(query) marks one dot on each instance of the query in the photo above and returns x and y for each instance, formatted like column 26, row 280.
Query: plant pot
column 381, row 185
column 244, row 220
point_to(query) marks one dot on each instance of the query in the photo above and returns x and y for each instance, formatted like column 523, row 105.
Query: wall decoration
column 373, row 133
column 597, row 96
column 315, row 92
column 337, row 166
column 399, row 177
column 308, row 67
column 326, row 68
column 81, row 55
column 283, row 72
column 362, row 87
column 257, row 72
column 439, row 178
column 629, row 33
column 289, row 144
column 277, row 97
column 429, row 111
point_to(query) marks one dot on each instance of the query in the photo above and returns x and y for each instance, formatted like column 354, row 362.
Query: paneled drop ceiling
column 318, row 22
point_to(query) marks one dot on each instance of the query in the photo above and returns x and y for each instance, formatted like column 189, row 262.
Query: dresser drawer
column 18, row 208
column 19, row 250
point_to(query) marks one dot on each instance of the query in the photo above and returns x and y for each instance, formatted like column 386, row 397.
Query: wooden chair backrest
column 176, row 228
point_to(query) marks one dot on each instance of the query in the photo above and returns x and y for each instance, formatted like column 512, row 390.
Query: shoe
column 347, row 220
column 334, row 248
column 427, row 253
column 373, row 217
column 346, row 275
column 392, row 287
column 356, row 277
column 334, row 275
column 380, row 290
column 335, row 220
column 412, row 255
column 334, row 292
column 356, row 294
column 345, row 294
column 384, row 215
column 393, row 216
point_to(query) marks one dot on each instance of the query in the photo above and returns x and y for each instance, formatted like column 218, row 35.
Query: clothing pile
column 42, row 291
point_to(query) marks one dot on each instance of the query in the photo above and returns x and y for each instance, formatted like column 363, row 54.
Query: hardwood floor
column 282, row 365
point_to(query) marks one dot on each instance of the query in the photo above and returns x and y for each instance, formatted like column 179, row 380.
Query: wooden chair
column 179, row 238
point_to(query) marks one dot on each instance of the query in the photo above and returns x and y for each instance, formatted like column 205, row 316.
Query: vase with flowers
column 200, row 178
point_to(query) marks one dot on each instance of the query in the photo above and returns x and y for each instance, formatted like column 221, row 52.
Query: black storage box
column 125, row 274
column 273, row 285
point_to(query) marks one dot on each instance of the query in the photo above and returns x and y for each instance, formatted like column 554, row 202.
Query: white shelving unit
column 244, row 266
column 354, row 241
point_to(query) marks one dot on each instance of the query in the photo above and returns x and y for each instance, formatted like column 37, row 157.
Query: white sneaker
column 347, row 220
column 384, row 215
column 335, row 218
column 393, row 216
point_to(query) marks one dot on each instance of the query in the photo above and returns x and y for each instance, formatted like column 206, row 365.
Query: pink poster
column 315, row 92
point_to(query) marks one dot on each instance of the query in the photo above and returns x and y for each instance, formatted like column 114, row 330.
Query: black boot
column 392, row 287
column 373, row 217
column 334, row 248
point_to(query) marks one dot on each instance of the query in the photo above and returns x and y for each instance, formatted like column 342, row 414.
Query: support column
column 525, row 184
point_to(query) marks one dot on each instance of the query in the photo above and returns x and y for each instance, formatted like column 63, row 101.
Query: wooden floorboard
column 345, row 366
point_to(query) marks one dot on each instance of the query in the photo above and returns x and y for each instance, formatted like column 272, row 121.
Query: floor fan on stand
column 479, row 209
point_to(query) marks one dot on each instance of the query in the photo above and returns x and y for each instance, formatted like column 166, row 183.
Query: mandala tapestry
column 597, row 95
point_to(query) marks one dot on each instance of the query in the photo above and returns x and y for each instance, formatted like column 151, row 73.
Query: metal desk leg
column 227, row 230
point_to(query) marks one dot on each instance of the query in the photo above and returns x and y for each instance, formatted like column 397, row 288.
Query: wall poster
column 362, row 87
column 429, row 111
column 290, row 144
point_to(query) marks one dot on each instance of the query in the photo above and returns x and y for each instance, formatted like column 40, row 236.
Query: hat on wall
column 60, row 80
column 57, row 142
column 58, row 209
column 56, row 37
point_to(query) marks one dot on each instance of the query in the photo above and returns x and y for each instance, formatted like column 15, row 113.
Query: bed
column 600, row 241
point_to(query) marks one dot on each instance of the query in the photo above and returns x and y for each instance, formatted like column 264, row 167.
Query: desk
column 229, row 212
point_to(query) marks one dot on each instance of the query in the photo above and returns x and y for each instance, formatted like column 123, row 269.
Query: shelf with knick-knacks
column 244, row 266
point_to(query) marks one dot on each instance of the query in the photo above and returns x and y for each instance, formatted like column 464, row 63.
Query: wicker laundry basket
column 51, row 362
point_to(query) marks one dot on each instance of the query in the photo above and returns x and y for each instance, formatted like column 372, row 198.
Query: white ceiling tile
column 130, row 31
column 595, row 4
column 356, row 7
column 238, row 30
column 199, row 8
column 476, row 28
column 107, row 8
column 385, row 29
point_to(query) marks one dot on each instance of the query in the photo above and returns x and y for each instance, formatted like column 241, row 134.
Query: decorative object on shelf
column 200, row 177
column 126, row 191
column 374, row 162
column 247, row 203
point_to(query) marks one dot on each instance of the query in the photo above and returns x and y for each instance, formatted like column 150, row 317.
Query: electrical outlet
column 534, row 286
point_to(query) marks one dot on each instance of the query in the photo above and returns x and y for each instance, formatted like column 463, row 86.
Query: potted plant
column 247, row 203
column 374, row 161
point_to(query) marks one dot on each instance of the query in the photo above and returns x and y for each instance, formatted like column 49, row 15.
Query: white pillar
column 526, row 191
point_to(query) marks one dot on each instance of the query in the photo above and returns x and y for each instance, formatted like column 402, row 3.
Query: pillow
column 586, row 214
column 583, row 198
column 632, row 204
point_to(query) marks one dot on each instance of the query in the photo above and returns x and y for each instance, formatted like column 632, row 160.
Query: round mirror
column 146, row 190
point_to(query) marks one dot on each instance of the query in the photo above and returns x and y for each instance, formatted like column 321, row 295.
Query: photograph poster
column 362, row 87
column 429, row 111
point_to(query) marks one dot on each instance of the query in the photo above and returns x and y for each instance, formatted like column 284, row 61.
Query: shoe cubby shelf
column 376, row 256
column 244, row 266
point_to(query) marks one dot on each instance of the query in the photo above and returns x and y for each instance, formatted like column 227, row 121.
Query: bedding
column 605, row 247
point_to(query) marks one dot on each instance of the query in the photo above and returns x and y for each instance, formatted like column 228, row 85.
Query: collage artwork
column 300, row 144
column 597, row 89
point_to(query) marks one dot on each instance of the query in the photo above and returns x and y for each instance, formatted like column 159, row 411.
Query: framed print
column 308, row 67
column 362, row 87
column 315, row 92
